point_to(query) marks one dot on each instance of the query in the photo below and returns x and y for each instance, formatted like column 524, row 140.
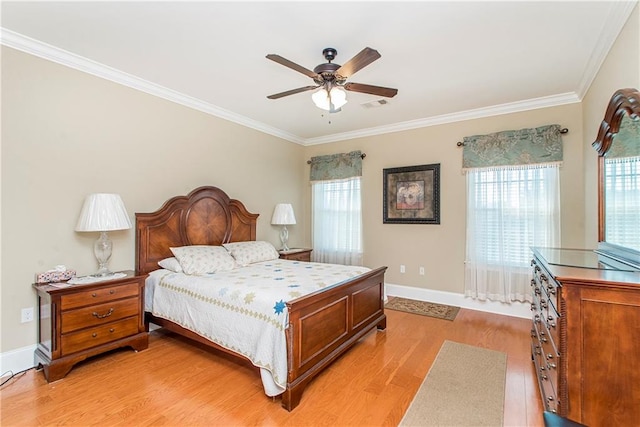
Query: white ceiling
column 449, row 60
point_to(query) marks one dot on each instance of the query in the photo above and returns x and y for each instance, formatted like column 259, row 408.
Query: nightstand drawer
column 296, row 255
column 89, row 338
column 96, row 296
column 99, row 314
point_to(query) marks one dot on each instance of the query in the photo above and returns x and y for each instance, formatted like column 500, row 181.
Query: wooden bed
column 322, row 325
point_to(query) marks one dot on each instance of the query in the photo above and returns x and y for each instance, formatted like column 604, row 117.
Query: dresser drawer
column 547, row 379
column 96, row 296
column 99, row 335
column 99, row 314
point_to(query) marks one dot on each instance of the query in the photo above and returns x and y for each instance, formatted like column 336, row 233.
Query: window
column 337, row 221
column 622, row 192
column 508, row 211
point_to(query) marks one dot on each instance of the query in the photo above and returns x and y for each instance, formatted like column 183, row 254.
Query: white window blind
column 508, row 211
column 337, row 221
column 622, row 193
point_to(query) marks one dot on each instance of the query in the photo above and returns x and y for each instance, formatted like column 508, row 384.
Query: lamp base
column 284, row 237
column 102, row 250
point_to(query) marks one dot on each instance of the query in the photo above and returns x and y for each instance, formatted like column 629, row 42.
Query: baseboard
column 516, row 309
column 17, row 360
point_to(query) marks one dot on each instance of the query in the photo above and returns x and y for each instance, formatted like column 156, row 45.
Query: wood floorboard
column 177, row 382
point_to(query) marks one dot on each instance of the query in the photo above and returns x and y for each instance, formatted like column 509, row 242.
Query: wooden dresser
column 585, row 338
column 79, row 321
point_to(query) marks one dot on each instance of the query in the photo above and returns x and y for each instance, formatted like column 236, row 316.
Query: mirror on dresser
column 618, row 147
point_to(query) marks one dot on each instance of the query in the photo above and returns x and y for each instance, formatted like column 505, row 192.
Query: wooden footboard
column 325, row 324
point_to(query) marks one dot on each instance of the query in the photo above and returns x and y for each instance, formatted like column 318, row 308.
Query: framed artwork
column 411, row 195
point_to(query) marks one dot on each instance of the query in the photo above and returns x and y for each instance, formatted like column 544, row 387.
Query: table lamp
column 103, row 212
column 283, row 215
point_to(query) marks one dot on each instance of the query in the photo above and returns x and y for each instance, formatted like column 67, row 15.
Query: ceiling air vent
column 375, row 104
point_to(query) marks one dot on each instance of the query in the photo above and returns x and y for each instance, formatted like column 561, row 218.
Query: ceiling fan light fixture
column 330, row 100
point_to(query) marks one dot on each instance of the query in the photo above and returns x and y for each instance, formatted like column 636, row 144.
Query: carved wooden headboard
column 205, row 216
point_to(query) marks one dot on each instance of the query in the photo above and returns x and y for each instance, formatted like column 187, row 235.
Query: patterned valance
column 513, row 148
column 336, row 166
column 626, row 143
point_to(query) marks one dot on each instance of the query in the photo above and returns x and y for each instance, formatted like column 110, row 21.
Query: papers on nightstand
column 84, row 280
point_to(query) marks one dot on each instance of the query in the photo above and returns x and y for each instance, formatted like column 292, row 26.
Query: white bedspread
column 244, row 309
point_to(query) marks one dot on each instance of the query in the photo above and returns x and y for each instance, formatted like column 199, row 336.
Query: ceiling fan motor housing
column 328, row 70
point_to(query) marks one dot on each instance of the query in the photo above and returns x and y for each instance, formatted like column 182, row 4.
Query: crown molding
column 37, row 48
column 619, row 13
column 478, row 113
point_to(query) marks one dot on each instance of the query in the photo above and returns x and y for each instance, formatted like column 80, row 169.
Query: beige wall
column 66, row 134
column 440, row 249
column 621, row 69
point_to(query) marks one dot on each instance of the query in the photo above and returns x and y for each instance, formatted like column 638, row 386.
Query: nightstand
column 79, row 321
column 296, row 254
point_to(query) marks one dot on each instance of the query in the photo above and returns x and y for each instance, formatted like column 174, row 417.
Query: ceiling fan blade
column 387, row 92
column 299, row 68
column 292, row 92
column 358, row 62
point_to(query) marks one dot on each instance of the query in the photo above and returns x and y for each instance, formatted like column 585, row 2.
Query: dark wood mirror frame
column 623, row 102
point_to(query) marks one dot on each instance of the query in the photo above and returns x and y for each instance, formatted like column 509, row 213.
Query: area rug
column 464, row 387
column 424, row 308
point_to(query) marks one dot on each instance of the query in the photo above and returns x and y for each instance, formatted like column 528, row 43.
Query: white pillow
column 246, row 253
column 199, row 259
column 170, row 264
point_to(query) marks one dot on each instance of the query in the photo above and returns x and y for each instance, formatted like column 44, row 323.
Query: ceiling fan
column 332, row 79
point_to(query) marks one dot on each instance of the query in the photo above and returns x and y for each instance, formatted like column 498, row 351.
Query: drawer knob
column 102, row 316
column 94, row 335
column 112, row 291
column 111, row 330
column 94, row 295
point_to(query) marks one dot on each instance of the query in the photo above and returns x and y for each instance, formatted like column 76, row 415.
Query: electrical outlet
column 402, row 269
column 422, row 271
column 26, row 315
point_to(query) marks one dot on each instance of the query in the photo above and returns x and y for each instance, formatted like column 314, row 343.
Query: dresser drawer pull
column 94, row 295
column 112, row 291
column 94, row 335
column 111, row 330
column 102, row 316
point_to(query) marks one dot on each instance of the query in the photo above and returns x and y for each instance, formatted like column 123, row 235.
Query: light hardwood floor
column 178, row 383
